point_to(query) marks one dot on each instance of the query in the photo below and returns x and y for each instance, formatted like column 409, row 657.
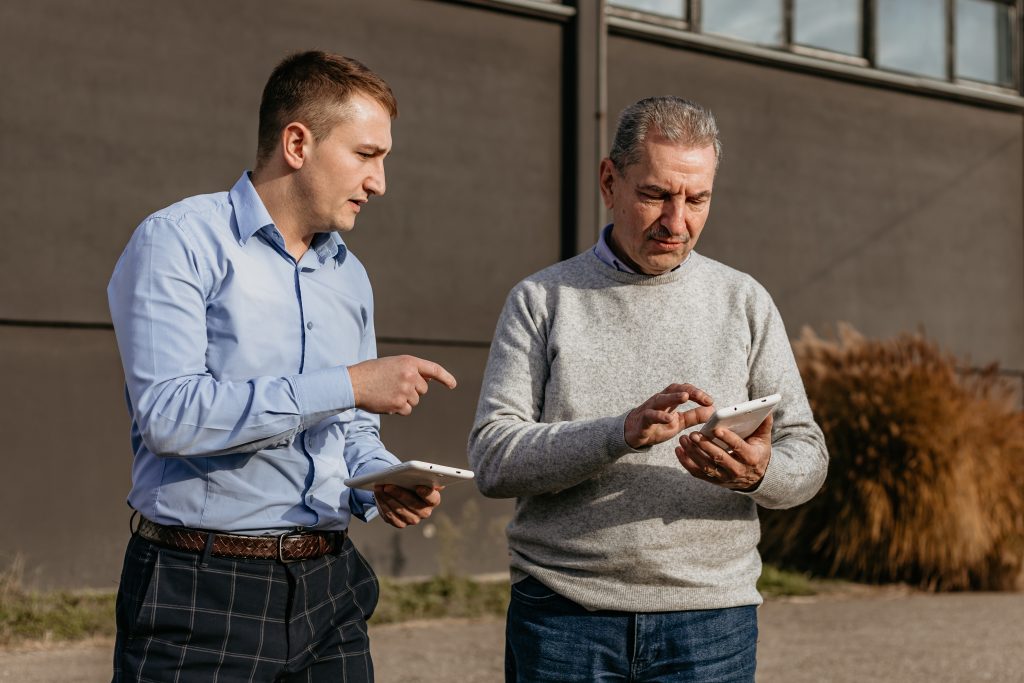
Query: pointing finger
column 431, row 370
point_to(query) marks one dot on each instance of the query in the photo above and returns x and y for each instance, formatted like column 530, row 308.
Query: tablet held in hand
column 411, row 474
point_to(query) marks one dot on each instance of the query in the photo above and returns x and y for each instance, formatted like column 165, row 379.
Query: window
column 911, row 36
column 828, row 25
column 669, row 8
column 756, row 21
column 984, row 42
column 969, row 42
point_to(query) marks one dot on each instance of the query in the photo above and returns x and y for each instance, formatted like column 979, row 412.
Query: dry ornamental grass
column 926, row 478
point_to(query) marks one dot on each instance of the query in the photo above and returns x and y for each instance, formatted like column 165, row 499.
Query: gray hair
column 677, row 119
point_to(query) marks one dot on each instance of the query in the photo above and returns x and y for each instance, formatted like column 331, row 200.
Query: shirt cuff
column 361, row 502
column 323, row 393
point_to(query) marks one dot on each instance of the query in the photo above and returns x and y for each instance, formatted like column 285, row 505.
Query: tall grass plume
column 926, row 479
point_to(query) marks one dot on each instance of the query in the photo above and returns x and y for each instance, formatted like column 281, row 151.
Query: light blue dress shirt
column 235, row 357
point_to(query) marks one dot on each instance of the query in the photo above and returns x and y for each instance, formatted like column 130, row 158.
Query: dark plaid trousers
column 188, row 618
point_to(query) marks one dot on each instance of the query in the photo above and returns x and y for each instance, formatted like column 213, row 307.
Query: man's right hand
column 656, row 420
column 394, row 384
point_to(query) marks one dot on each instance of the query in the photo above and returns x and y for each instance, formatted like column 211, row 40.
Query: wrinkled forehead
column 663, row 158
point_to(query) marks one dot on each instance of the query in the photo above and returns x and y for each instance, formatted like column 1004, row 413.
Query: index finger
column 430, row 370
column 665, row 401
column 698, row 395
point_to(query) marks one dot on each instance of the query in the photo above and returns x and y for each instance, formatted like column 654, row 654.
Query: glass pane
column 983, row 41
column 756, row 21
column 670, row 8
column 828, row 24
column 912, row 36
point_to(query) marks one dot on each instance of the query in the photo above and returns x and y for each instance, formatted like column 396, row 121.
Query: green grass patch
column 440, row 597
column 73, row 615
column 775, row 582
column 63, row 615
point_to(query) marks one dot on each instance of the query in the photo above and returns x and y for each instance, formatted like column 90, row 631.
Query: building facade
column 872, row 174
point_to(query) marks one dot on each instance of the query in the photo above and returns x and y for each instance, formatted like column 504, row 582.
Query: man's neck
column 274, row 190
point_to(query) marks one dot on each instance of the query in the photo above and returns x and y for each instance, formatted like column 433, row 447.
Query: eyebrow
column 373, row 149
column 657, row 189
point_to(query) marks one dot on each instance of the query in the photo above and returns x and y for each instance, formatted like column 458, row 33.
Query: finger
column 729, row 438
column 696, row 394
column 697, row 467
column 431, row 495
column 431, row 370
column 695, row 416
column 656, row 417
column 397, row 511
column 665, row 401
column 386, row 512
column 711, row 454
column 410, row 504
column 700, row 396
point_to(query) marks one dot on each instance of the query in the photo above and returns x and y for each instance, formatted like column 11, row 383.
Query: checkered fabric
column 185, row 618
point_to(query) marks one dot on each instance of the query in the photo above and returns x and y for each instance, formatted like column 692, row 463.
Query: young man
column 634, row 552
column 246, row 332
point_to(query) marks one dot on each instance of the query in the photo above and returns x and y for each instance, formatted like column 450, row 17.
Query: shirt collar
column 252, row 216
column 604, row 252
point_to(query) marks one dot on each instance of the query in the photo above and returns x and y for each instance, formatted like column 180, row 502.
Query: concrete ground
column 876, row 635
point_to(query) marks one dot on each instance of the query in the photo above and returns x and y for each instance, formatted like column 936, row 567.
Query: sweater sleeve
column 799, row 459
column 513, row 453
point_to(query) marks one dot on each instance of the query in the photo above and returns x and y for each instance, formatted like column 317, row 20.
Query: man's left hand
column 741, row 468
column 401, row 507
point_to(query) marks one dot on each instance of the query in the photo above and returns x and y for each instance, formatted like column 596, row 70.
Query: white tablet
column 410, row 474
column 742, row 418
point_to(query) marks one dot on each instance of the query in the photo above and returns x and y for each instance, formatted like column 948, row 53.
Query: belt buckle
column 280, row 546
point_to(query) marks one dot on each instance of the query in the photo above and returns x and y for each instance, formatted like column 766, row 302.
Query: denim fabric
column 552, row 639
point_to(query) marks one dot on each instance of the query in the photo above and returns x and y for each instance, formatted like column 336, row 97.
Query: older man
column 246, row 333
column 634, row 549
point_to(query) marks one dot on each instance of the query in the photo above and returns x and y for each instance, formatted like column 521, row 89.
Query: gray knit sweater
column 578, row 346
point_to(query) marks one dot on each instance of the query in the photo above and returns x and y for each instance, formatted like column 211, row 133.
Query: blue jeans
column 551, row 638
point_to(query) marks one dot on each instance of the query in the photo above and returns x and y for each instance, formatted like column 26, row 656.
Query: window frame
column 867, row 58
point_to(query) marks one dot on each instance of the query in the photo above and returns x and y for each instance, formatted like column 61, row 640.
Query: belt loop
column 207, row 549
column 132, row 527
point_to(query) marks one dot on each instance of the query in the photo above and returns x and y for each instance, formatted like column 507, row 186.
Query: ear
column 606, row 180
column 296, row 140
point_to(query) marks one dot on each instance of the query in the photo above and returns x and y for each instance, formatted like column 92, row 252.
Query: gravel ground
column 870, row 635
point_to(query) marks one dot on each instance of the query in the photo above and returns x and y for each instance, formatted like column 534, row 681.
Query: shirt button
column 309, row 326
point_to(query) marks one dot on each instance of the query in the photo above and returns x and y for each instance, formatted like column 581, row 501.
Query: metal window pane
column 983, row 42
column 669, row 8
column 911, row 36
column 756, row 21
column 828, row 24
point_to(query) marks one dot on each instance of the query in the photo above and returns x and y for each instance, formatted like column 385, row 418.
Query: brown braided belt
column 289, row 547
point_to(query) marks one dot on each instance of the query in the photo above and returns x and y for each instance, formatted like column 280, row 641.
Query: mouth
column 668, row 244
column 357, row 204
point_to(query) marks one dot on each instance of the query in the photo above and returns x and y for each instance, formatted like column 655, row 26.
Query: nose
column 375, row 183
column 673, row 217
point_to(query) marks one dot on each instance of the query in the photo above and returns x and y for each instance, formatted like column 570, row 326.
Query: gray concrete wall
column 886, row 209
